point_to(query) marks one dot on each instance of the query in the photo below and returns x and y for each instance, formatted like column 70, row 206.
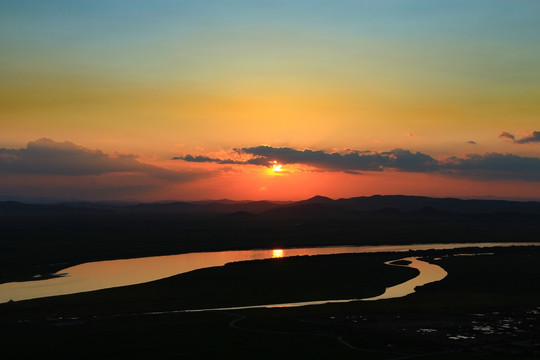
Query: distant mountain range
column 317, row 205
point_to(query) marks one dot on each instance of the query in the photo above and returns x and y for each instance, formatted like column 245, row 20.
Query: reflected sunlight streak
column 277, row 253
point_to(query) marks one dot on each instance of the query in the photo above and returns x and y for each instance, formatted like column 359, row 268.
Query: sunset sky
column 279, row 100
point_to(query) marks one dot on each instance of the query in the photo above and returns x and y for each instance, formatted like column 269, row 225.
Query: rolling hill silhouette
column 315, row 205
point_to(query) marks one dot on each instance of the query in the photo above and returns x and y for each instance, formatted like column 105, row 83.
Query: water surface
column 113, row 273
column 428, row 273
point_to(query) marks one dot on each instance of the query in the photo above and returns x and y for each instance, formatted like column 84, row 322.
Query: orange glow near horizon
column 165, row 112
column 298, row 183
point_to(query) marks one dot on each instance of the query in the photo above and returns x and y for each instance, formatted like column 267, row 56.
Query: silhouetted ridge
column 217, row 207
column 14, row 207
column 315, row 205
column 413, row 203
column 309, row 210
column 430, row 211
column 318, row 199
column 385, row 211
column 377, row 202
column 163, row 207
column 241, row 215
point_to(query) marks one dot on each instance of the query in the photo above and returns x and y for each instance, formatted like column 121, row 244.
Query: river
column 113, row 273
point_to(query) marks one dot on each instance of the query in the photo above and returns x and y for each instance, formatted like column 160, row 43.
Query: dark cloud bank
column 45, row 156
column 487, row 166
column 533, row 137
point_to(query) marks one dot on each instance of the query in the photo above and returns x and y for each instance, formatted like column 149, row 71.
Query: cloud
column 351, row 162
column 487, row 166
column 494, row 166
column 46, row 156
column 398, row 159
column 411, row 135
column 472, row 142
column 202, row 159
column 533, row 137
column 72, row 192
column 507, row 135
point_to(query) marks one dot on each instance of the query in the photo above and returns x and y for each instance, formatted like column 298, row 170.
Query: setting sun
column 276, row 167
column 154, row 154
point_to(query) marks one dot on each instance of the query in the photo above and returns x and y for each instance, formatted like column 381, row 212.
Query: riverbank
column 244, row 283
column 114, row 273
column 486, row 308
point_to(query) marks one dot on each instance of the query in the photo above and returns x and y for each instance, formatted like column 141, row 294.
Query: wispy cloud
column 487, row 166
column 507, row 135
column 533, row 137
column 472, row 142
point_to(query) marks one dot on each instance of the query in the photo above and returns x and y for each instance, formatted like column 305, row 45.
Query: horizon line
column 51, row 201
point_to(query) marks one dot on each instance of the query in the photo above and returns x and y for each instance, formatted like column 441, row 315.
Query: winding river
column 428, row 273
column 113, row 273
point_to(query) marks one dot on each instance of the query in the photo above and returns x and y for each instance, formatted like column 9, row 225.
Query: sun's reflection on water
column 277, row 253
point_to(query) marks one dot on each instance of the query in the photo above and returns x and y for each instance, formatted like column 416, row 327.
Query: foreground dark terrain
column 488, row 307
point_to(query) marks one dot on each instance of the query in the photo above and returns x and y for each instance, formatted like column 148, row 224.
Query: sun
column 276, row 167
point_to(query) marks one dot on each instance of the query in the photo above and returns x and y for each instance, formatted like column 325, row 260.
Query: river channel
column 113, row 273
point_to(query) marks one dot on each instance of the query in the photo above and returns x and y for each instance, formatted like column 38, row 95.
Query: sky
column 278, row 100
